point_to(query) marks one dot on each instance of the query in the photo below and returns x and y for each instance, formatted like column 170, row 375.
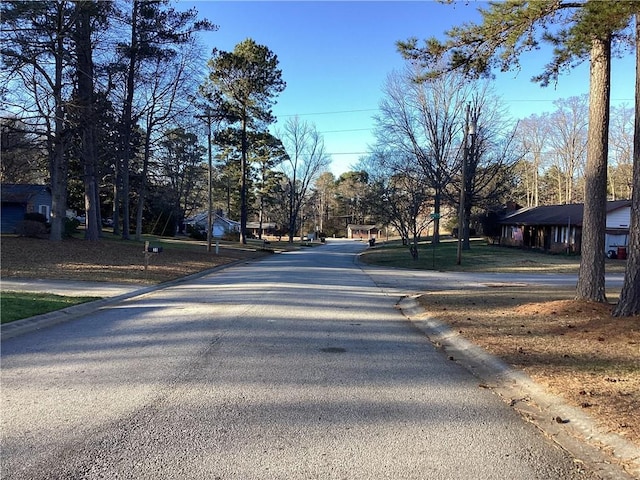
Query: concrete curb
column 610, row 456
column 26, row 325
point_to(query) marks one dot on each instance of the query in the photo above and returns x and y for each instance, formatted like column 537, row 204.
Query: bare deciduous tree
column 620, row 153
column 424, row 120
column 307, row 159
column 568, row 142
column 532, row 135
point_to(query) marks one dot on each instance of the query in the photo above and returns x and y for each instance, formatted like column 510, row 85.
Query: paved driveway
column 298, row 366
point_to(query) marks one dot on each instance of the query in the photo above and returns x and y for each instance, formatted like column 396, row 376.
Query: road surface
column 298, row 366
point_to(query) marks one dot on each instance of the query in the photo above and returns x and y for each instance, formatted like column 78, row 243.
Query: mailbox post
column 148, row 251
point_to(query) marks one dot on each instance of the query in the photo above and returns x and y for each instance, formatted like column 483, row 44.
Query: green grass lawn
column 481, row 257
column 17, row 305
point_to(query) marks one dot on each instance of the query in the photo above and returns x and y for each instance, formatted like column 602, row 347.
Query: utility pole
column 463, row 232
column 463, row 187
column 208, row 117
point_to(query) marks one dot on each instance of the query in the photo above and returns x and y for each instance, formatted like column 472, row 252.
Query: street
column 297, row 366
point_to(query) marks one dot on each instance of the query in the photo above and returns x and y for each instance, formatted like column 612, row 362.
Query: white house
column 221, row 224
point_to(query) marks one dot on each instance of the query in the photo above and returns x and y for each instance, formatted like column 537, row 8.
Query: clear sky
column 336, row 55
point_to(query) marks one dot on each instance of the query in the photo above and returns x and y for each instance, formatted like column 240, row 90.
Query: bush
column 31, row 228
column 231, row 237
column 196, row 232
column 35, row 217
column 70, row 226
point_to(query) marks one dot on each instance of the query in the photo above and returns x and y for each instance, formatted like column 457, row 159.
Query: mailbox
column 154, row 249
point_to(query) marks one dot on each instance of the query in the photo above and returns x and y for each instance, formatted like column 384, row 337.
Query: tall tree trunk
column 127, row 121
column 292, row 203
column 243, row 182
column 87, row 119
column 117, row 189
column 469, row 176
column 142, row 194
column 591, row 284
column 437, row 205
column 629, row 303
column 58, row 170
column 536, row 188
column 58, row 164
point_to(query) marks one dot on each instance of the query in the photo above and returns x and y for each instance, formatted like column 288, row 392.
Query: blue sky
column 335, row 57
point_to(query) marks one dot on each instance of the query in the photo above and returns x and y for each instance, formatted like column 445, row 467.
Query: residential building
column 558, row 228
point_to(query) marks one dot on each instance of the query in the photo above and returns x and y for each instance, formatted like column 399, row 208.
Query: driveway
column 297, row 366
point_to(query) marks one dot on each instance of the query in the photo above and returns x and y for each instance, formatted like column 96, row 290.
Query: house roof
column 265, row 225
column 20, row 193
column 366, row 228
column 203, row 218
column 555, row 214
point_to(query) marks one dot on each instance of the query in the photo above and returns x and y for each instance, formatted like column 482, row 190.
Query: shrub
column 231, row 237
column 71, row 226
column 35, row 217
column 31, row 228
column 197, row 232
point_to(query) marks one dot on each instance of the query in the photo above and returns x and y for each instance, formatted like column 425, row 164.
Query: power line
column 513, row 100
column 350, row 130
column 350, row 153
column 330, row 113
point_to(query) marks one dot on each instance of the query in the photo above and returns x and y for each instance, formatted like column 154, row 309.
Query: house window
column 44, row 210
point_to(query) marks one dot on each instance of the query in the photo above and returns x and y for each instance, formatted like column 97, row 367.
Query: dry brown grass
column 109, row 260
column 575, row 349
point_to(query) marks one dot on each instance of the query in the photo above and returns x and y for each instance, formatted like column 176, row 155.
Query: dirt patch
column 108, row 260
column 576, row 349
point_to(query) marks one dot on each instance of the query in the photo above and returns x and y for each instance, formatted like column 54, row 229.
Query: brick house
column 558, row 228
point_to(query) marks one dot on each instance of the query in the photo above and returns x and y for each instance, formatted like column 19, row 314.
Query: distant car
column 107, row 222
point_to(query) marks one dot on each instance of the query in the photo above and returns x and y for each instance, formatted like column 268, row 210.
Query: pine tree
column 245, row 82
column 629, row 303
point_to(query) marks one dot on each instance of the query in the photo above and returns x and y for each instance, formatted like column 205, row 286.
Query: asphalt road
column 295, row 367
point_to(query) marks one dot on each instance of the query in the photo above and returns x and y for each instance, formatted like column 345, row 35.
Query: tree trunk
column 243, row 183
column 127, row 121
column 58, row 169
column 292, row 200
column 87, row 118
column 437, row 205
column 293, row 215
column 142, row 194
column 591, row 284
column 117, row 194
column 58, row 163
column 469, row 175
column 629, row 303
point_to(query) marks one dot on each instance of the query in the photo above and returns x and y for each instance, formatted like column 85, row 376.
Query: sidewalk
column 68, row 287
column 109, row 292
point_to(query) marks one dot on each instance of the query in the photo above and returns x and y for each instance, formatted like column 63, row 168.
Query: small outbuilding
column 363, row 232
